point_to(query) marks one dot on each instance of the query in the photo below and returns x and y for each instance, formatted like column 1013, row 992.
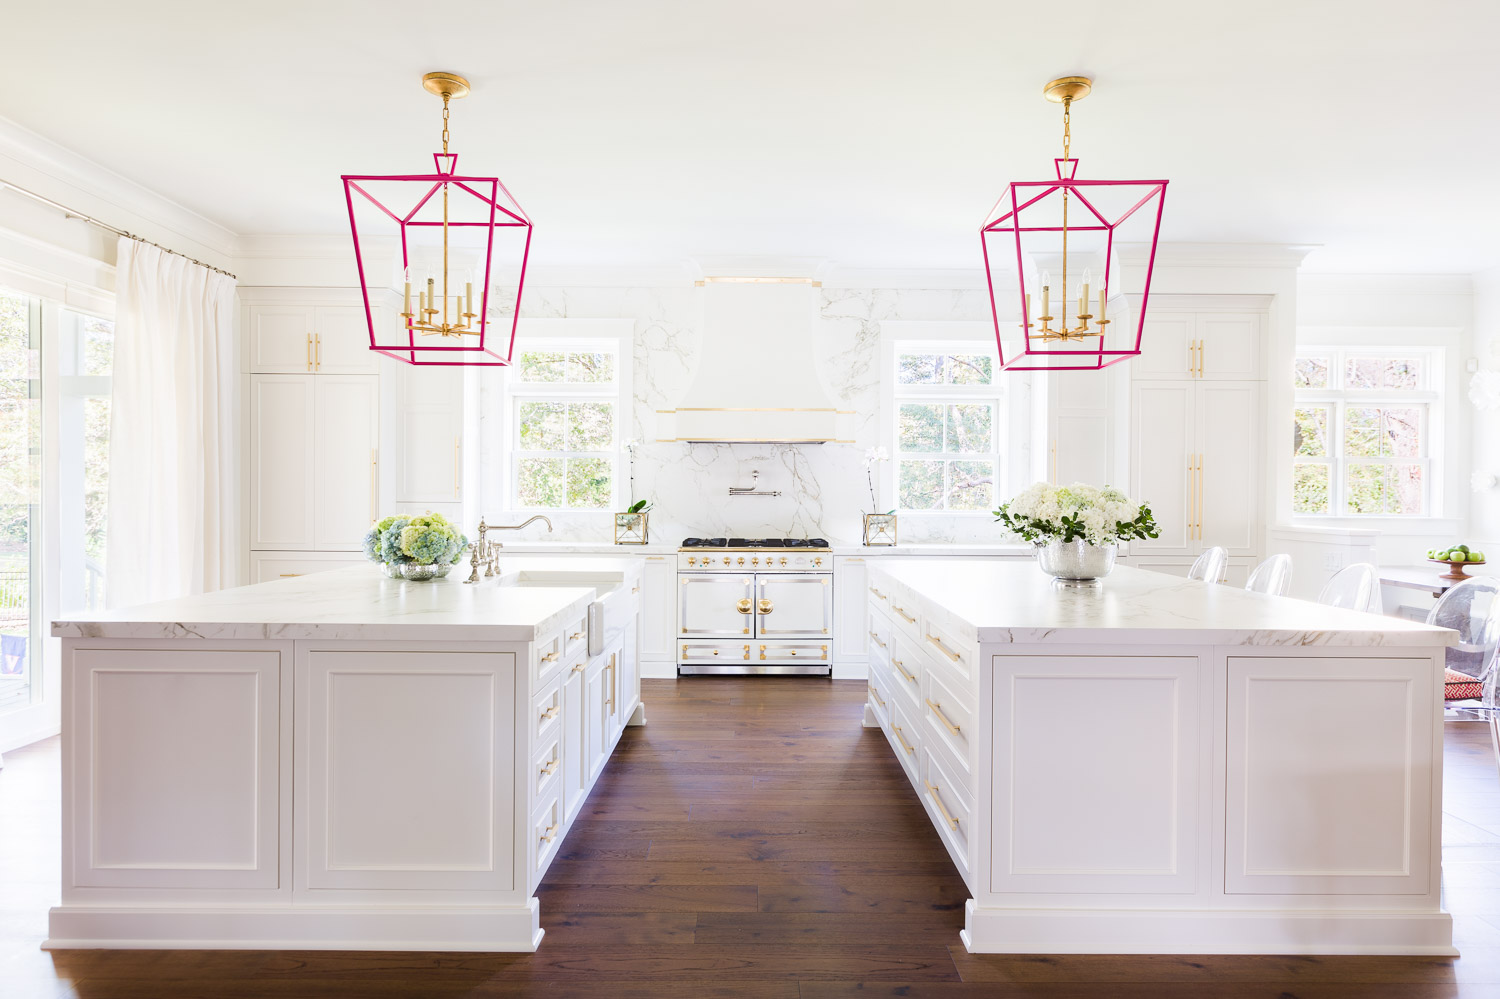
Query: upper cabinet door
column 1230, row 483
column 282, row 339
column 1168, row 347
column 281, row 462
column 430, row 415
column 1229, row 345
column 1161, row 451
column 342, row 340
column 346, row 473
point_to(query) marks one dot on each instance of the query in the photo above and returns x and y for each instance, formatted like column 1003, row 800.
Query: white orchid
column 874, row 455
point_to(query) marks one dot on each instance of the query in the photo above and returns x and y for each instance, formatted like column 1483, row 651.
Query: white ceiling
column 872, row 133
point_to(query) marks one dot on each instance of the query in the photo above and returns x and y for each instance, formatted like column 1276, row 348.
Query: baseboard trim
column 1272, row 931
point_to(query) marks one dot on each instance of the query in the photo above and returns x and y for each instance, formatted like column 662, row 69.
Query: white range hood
column 757, row 382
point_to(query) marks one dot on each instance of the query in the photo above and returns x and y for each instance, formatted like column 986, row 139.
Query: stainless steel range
column 755, row 605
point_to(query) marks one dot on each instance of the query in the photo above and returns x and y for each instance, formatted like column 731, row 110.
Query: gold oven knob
column 692, row 561
column 817, row 561
column 783, row 561
column 756, row 561
column 741, row 560
column 726, row 559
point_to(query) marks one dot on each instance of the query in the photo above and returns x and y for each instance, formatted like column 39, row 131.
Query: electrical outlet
column 1333, row 560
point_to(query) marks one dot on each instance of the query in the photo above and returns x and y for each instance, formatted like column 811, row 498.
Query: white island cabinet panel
column 1330, row 766
column 436, row 729
column 1164, row 765
column 1130, row 766
column 183, row 791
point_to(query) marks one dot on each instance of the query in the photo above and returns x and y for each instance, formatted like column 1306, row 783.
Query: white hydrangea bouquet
column 415, row 548
column 1043, row 513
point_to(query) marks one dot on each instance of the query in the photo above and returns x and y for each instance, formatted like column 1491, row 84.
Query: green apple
column 1464, row 549
column 1476, row 556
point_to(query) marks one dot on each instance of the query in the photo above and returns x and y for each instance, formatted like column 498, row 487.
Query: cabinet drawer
column 546, row 832
column 880, row 630
column 903, row 614
column 948, row 648
column 707, row 652
column 546, row 658
column 547, row 714
column 950, row 720
column 879, row 595
column 786, row 652
column 878, row 697
column 905, row 739
column 576, row 636
column 949, row 805
column 546, row 765
column 906, row 674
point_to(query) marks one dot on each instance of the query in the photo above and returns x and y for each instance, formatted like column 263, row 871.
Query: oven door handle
column 765, row 606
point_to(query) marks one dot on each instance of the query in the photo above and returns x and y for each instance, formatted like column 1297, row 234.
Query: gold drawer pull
column 954, row 656
column 289, row 575
column 580, row 667
column 550, row 657
column 902, row 612
column 575, row 636
column 877, row 640
column 550, row 713
column 877, row 593
column 901, row 739
column 897, row 663
column 875, row 694
column 549, row 766
column 937, row 800
column 937, row 709
column 549, row 833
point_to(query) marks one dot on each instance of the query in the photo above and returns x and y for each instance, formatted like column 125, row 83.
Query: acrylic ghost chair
column 1272, row 576
column 1475, row 698
column 1210, row 566
column 1354, row 587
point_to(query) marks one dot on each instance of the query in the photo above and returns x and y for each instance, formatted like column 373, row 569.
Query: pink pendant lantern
column 445, row 233
column 1053, row 238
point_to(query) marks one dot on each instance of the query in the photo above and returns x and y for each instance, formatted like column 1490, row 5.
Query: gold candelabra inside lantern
column 1065, row 91
column 424, row 319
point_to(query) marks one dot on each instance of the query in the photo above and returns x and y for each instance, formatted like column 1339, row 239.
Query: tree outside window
column 949, row 420
column 565, row 408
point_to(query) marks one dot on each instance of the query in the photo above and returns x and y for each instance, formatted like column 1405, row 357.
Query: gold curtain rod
column 70, row 213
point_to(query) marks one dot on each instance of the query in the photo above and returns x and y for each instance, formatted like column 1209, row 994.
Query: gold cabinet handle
column 937, row 709
column 909, row 677
column 905, row 616
column 457, row 468
column 744, row 606
column 583, row 666
column 953, row 656
column 548, row 767
column 747, row 653
column 549, row 833
column 575, row 636
column 550, row 713
column 1199, row 517
column 309, row 352
column 765, row 606
column 318, row 352
column 937, row 799
column 902, row 739
column 876, row 694
column 877, row 640
column 877, row 593
column 374, row 465
column 549, row 657
column 288, row 575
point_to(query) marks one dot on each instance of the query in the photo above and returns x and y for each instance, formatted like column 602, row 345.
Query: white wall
column 1484, row 445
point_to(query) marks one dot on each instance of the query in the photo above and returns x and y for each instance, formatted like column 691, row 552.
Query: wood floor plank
column 648, row 898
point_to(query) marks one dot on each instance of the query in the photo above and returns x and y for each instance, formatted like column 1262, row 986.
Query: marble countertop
column 361, row 603
column 1014, row 603
column 839, row 548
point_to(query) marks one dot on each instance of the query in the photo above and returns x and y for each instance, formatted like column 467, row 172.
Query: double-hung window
column 1363, row 431
column 949, row 413
column 565, row 411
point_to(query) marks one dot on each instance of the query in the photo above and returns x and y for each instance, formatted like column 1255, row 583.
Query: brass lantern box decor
column 632, row 526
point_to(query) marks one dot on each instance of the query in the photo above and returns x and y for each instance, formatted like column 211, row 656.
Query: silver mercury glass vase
column 414, row 572
column 1076, row 563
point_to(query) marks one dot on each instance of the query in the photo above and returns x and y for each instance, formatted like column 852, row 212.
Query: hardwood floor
column 751, row 841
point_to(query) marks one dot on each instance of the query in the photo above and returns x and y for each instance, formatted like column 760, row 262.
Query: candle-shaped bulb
column 1083, row 296
column 469, row 296
column 1101, row 304
column 1046, row 293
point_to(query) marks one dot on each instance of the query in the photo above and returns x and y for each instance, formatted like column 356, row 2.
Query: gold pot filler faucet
column 488, row 552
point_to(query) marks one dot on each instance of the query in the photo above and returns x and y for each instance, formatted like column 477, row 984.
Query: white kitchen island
column 339, row 760
column 1158, row 765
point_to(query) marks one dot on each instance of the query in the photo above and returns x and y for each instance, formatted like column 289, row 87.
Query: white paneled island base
column 340, row 760
column 1158, row 765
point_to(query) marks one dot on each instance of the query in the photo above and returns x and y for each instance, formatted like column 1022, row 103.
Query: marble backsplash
column 824, row 490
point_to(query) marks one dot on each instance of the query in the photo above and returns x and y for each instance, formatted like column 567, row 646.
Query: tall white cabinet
column 1197, row 412
column 313, row 413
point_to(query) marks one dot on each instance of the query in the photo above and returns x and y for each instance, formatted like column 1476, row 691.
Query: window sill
column 1385, row 525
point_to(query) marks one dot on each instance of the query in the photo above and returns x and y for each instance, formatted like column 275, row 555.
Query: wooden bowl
column 1455, row 569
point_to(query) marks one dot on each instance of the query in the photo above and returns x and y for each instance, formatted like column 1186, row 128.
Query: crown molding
column 1324, row 283
column 41, row 165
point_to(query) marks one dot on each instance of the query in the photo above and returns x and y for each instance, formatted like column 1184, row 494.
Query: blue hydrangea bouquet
column 415, row 548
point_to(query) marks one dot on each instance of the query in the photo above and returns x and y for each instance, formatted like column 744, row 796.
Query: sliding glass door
column 20, row 501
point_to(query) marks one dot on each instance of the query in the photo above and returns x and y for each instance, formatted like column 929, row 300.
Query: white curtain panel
column 171, row 477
